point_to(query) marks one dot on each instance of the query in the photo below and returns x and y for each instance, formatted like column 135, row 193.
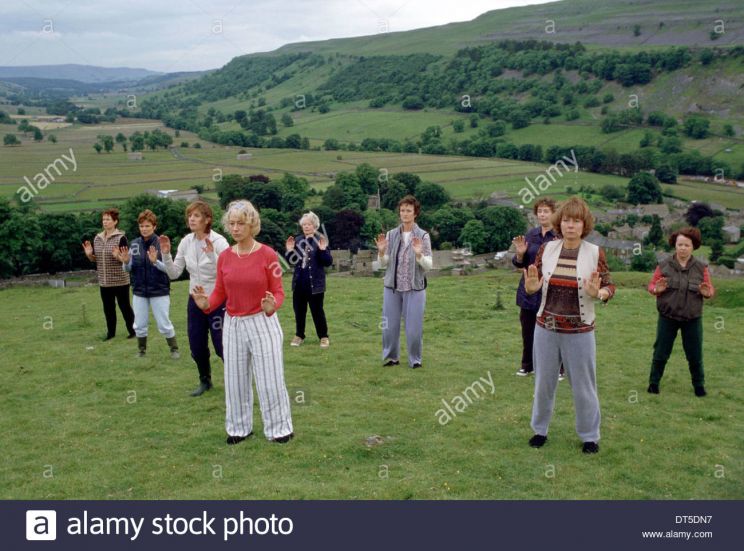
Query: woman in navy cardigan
column 308, row 253
column 526, row 251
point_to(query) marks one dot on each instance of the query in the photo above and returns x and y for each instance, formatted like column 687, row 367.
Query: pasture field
column 110, row 178
column 85, row 419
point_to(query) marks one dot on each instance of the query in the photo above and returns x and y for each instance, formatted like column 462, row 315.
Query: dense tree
column 644, row 262
column 345, row 193
column 394, row 191
column 121, row 139
column 502, row 224
column 655, row 234
column 644, row 188
column 697, row 127
column 367, row 176
column 431, row 196
column 474, row 236
column 711, row 229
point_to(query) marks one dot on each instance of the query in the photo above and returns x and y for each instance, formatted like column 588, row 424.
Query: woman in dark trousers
column 197, row 252
column 112, row 280
column 308, row 253
column 680, row 284
column 526, row 251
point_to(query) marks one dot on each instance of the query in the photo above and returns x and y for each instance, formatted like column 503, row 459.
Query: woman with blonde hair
column 249, row 282
column 571, row 273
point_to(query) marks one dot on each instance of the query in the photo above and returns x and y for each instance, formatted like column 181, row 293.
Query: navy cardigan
column 318, row 262
column 535, row 240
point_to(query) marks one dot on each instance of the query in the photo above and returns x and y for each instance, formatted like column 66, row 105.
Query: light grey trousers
column 578, row 353
column 410, row 305
column 252, row 348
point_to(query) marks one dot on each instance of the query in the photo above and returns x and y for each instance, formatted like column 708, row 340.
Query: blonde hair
column 246, row 212
column 310, row 215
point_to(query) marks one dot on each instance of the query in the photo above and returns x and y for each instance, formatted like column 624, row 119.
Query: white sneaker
column 561, row 377
column 523, row 373
column 325, row 342
column 296, row 341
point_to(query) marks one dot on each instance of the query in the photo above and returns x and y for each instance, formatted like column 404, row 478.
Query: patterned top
column 404, row 275
column 110, row 272
column 561, row 313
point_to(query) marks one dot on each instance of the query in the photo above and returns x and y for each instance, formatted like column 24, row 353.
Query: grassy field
column 85, row 419
column 104, row 179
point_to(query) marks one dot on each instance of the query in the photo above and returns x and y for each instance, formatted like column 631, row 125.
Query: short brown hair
column 204, row 209
column 544, row 202
column 147, row 216
column 113, row 213
column 574, row 207
column 410, row 200
column 693, row 234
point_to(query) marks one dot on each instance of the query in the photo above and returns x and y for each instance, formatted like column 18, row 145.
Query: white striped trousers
column 252, row 347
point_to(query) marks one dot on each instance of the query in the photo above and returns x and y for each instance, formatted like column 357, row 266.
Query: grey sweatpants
column 410, row 305
column 578, row 353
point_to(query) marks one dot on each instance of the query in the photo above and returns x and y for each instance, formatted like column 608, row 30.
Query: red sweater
column 244, row 280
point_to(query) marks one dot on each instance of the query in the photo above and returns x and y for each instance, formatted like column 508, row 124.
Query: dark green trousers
column 692, row 341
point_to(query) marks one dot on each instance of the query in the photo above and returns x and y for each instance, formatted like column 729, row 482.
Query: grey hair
column 312, row 217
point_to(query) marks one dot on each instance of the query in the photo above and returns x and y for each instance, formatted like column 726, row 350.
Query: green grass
column 103, row 424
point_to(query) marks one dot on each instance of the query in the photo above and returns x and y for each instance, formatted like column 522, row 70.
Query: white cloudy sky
column 184, row 35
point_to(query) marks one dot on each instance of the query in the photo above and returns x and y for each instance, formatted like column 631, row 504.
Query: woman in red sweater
column 249, row 280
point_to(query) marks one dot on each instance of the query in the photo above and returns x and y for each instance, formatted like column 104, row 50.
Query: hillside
column 80, row 73
column 593, row 22
column 480, row 101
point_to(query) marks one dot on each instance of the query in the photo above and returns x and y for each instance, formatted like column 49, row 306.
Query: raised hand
column 87, row 248
column 520, row 244
column 418, row 246
column 290, row 244
column 268, row 303
column 532, row 281
column 200, row 297
column 208, row 246
column 152, row 254
column 705, row 289
column 122, row 254
column 323, row 243
column 593, row 285
column 382, row 244
column 661, row 285
column 165, row 244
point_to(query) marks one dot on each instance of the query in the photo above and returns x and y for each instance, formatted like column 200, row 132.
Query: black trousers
column 300, row 300
column 110, row 296
column 200, row 327
column 527, row 318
